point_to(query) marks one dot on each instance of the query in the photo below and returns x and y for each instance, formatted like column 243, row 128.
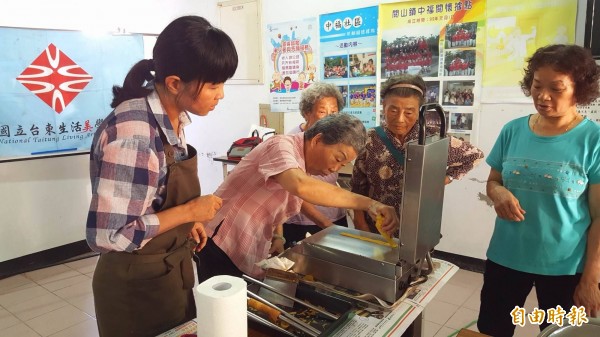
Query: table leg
column 224, row 171
column 416, row 328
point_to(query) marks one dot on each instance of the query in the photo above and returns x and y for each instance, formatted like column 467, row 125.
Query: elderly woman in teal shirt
column 545, row 185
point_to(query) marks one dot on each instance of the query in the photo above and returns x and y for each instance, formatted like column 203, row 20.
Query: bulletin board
column 241, row 20
column 56, row 88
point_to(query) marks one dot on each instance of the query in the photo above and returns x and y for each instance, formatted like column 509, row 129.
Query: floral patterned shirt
column 378, row 175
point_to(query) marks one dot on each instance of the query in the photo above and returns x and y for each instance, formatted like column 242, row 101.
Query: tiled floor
column 55, row 301
column 456, row 306
column 58, row 302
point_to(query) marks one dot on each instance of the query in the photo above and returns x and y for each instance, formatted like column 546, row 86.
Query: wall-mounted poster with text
column 442, row 42
column 291, row 66
column 349, row 59
column 56, row 88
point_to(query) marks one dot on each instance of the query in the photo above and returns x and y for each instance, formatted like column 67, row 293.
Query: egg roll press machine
column 383, row 271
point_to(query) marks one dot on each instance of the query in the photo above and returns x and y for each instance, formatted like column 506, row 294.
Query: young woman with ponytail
column 146, row 212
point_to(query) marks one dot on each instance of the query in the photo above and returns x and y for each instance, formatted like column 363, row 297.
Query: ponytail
column 189, row 48
column 133, row 86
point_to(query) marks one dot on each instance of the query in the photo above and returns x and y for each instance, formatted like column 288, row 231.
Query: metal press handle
column 287, row 317
column 424, row 108
column 263, row 321
column 304, row 303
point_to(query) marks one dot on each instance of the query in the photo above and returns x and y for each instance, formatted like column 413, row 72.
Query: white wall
column 44, row 202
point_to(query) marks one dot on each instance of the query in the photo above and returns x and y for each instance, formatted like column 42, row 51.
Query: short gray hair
column 315, row 92
column 339, row 128
column 404, row 92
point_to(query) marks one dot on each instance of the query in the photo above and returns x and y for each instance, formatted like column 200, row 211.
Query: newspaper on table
column 183, row 329
column 372, row 323
column 377, row 323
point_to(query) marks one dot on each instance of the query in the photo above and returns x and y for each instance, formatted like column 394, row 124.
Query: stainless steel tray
column 354, row 264
column 330, row 245
column 326, row 325
column 586, row 330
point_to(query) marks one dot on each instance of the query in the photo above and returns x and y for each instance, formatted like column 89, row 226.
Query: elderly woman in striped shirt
column 270, row 184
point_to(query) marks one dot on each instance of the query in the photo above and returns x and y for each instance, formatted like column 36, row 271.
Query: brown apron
column 149, row 291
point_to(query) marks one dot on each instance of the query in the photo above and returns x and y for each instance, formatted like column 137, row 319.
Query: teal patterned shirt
column 550, row 176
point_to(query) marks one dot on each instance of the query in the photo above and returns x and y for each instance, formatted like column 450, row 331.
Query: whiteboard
column 241, row 20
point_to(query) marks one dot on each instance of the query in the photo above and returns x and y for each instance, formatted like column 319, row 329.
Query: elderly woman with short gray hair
column 270, row 184
column 317, row 101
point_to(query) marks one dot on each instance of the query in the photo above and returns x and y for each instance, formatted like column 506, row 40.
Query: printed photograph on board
column 432, row 119
column 335, row 67
column 363, row 64
column 465, row 137
column 362, row 96
column 410, row 50
column 458, row 93
column 432, row 95
column 459, row 63
column 461, row 121
column 461, row 35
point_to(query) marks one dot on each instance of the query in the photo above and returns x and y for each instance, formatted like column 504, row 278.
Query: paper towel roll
column 221, row 304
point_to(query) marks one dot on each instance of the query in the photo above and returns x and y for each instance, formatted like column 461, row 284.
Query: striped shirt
column 254, row 203
column 128, row 171
column 331, row 213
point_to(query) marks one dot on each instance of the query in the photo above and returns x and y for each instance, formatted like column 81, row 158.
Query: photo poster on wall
column 348, row 59
column 515, row 29
column 56, row 88
column 292, row 61
column 442, row 42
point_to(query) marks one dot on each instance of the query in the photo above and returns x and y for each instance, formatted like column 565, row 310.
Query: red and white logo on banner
column 54, row 78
